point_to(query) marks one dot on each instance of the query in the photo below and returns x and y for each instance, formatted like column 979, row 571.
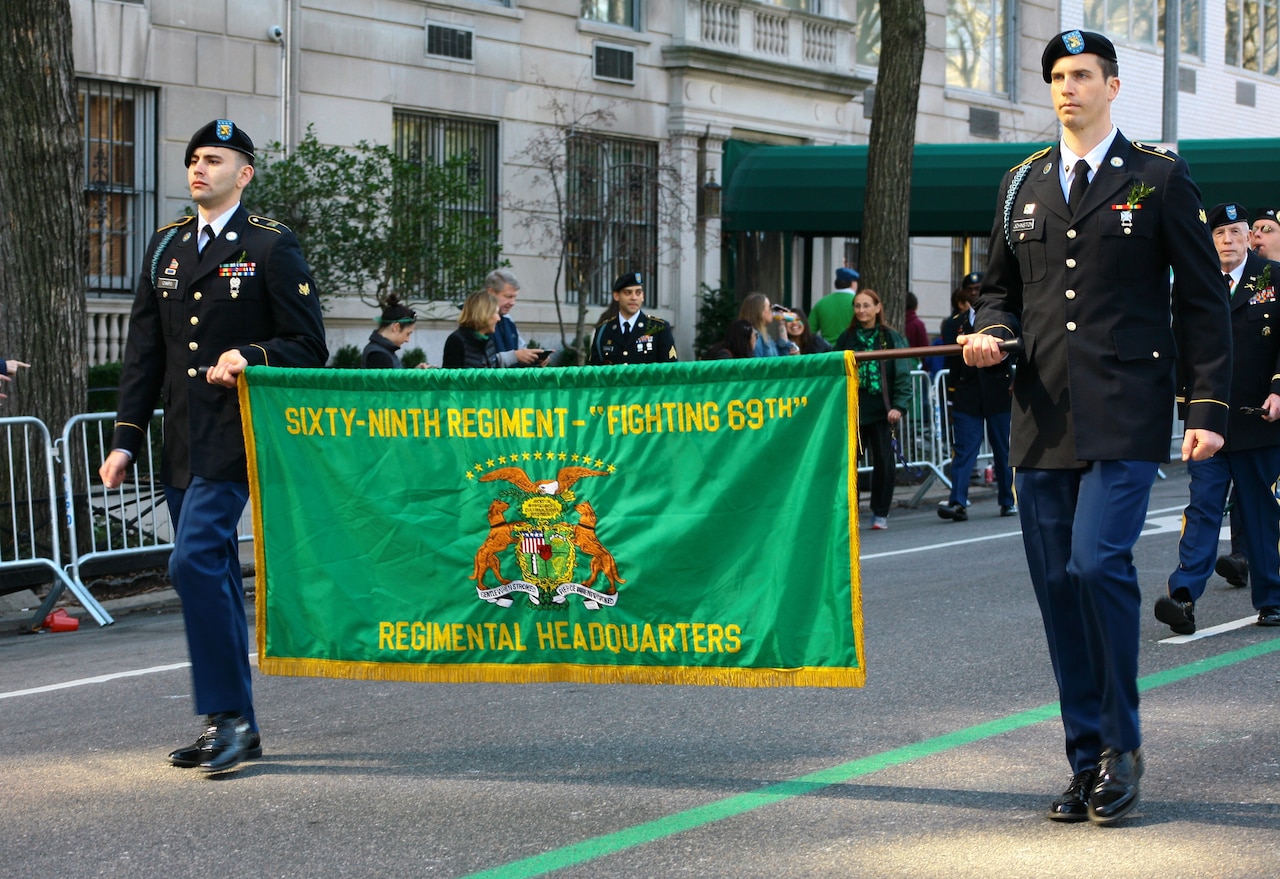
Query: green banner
column 689, row 523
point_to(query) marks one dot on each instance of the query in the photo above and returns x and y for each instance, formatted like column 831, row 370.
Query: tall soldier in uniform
column 1251, row 456
column 626, row 334
column 220, row 291
column 1085, row 234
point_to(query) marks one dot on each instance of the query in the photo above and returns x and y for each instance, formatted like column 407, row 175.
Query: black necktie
column 1230, row 289
column 626, row 327
column 1079, row 183
column 206, row 238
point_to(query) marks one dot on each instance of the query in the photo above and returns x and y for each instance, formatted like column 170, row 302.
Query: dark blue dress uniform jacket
column 1255, row 331
column 1090, row 297
column 650, row 341
column 250, row 290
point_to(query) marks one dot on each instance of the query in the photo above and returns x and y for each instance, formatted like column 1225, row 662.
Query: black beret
column 971, row 279
column 1226, row 214
column 1074, row 43
column 1269, row 213
column 629, row 279
column 220, row 133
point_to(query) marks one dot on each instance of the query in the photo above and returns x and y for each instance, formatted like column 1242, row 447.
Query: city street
column 942, row 766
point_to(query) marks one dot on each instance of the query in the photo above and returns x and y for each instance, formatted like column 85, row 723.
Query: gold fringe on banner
column 551, row 673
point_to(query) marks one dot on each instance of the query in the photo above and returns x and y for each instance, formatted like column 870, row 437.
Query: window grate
column 615, row 63
column 449, row 42
column 118, row 137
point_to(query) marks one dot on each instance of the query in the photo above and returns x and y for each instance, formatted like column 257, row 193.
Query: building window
column 968, row 254
column 1141, row 22
column 620, row 12
column 473, row 143
column 978, row 45
column 612, row 216
column 868, row 49
column 1253, row 35
column 1190, row 28
column 118, row 133
column 811, row 6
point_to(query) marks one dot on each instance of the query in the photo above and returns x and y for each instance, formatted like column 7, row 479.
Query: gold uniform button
column 164, row 295
column 1071, row 326
column 1071, row 294
column 1155, row 354
column 194, row 320
column 192, row 372
column 194, row 346
column 197, row 296
column 235, row 295
column 1071, row 233
column 1071, row 263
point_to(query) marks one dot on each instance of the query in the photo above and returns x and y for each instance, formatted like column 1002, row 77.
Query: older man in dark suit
column 219, row 292
column 1251, row 455
column 1085, row 236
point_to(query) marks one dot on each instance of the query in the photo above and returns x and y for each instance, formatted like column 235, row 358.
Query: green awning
column 1243, row 171
column 821, row 190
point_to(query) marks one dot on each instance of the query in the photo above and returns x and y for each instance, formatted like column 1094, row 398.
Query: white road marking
column 107, row 678
column 1213, row 630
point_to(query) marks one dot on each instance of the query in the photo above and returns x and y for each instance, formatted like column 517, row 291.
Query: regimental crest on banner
column 549, row 534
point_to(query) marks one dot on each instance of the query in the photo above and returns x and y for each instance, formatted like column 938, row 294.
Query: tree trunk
column 42, row 214
column 885, row 259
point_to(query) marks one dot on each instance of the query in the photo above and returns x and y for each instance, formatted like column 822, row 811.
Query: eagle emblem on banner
column 548, row 532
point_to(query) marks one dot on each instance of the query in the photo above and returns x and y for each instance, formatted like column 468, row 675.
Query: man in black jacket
column 219, row 292
column 975, row 397
column 1086, row 233
column 1251, row 456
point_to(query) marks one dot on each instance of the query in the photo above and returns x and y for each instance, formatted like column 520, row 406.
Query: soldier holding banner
column 219, row 292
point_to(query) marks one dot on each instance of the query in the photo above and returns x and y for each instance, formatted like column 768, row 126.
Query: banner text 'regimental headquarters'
column 417, row 635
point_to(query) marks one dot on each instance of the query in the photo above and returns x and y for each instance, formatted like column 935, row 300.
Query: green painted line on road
column 611, row 843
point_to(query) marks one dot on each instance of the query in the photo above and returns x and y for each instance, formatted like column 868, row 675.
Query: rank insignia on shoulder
column 304, row 289
column 1203, row 218
column 266, row 223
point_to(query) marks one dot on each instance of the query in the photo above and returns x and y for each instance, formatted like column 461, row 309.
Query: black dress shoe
column 1115, row 792
column 1177, row 615
column 221, row 746
column 953, row 512
column 1269, row 616
column 1233, row 568
column 1073, row 805
column 1007, row 511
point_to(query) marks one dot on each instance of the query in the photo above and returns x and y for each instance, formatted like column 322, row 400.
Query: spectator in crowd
column 975, row 397
column 739, row 342
column 471, row 345
column 833, row 314
column 626, row 334
column 395, row 327
column 884, row 396
column 912, row 327
column 512, row 349
column 218, row 292
column 802, row 336
column 7, row 369
column 771, row 340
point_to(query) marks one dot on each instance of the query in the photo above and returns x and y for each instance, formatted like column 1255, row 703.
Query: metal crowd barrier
column 55, row 486
column 125, row 528
column 32, row 529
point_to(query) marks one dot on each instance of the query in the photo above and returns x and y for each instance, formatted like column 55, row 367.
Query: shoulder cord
column 1009, row 198
column 155, row 259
